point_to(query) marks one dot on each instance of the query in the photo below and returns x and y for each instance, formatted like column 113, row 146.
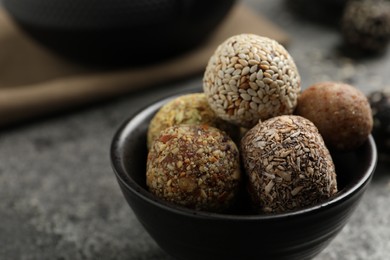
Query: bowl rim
column 132, row 121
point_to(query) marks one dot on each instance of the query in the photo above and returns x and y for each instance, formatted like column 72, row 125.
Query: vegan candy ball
column 195, row 166
column 288, row 165
column 187, row 109
column 250, row 77
column 340, row 111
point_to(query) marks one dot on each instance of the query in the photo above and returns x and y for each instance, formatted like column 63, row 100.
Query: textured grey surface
column 60, row 200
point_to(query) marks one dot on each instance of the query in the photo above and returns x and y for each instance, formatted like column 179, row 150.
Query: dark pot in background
column 320, row 11
column 117, row 32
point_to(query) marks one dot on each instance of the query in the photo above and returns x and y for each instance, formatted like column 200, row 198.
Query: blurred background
column 64, row 91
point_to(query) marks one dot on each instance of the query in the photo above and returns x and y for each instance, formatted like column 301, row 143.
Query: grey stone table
column 59, row 198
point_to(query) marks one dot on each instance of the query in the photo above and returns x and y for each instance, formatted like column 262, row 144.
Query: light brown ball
column 250, row 77
column 195, row 166
column 187, row 109
column 288, row 165
column 340, row 111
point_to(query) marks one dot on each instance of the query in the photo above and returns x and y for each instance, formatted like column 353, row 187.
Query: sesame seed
column 253, row 105
column 251, row 92
column 259, row 75
column 253, row 85
column 274, row 68
column 245, row 71
column 253, row 76
column 238, row 66
column 256, row 99
column 243, row 62
column 240, row 111
column 253, row 69
column 246, row 96
column 267, row 80
column 229, row 71
column 267, row 75
column 232, row 82
column 242, row 56
column 237, row 72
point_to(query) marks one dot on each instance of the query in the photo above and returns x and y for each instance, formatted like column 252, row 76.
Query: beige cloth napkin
column 36, row 82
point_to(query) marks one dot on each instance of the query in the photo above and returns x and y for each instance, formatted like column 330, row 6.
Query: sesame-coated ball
column 340, row 111
column 366, row 24
column 195, row 166
column 288, row 165
column 250, row 77
column 187, row 109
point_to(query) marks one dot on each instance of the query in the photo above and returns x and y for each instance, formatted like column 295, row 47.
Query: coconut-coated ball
column 187, row 109
column 195, row 166
column 250, row 77
column 340, row 111
column 288, row 165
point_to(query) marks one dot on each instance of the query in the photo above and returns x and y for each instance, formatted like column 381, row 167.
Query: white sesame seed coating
column 260, row 70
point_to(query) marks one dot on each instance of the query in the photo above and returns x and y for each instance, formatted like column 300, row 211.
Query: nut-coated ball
column 187, row 109
column 195, row 166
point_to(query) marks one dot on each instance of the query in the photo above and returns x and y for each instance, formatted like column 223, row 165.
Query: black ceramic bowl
column 118, row 32
column 188, row 234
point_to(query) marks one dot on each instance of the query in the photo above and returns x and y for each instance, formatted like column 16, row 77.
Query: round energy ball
column 288, row 165
column 340, row 111
column 250, row 77
column 187, row 109
column 365, row 24
column 195, row 166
